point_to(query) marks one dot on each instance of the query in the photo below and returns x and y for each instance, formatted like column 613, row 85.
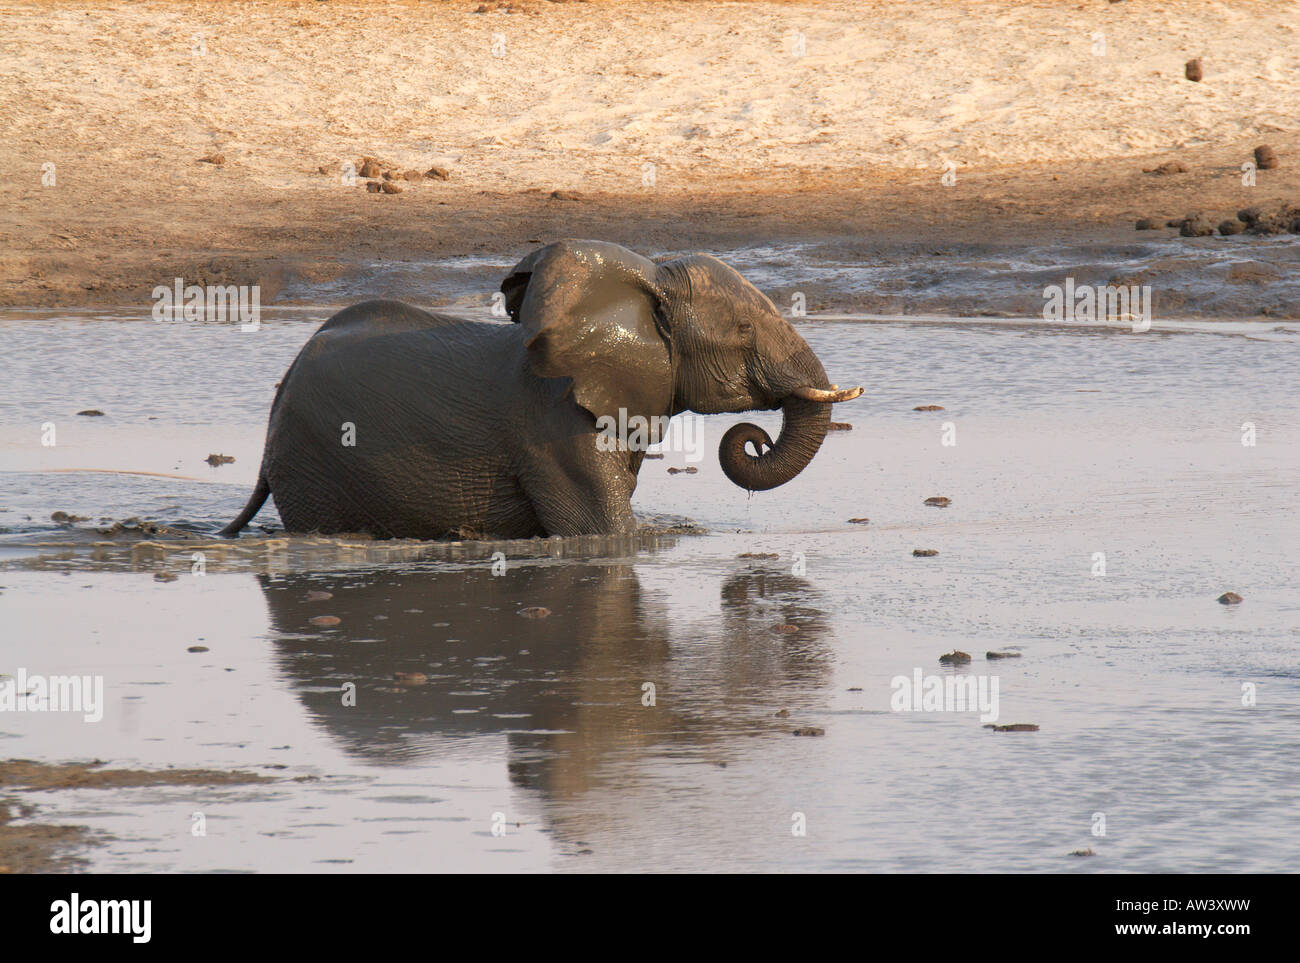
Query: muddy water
column 1070, row 441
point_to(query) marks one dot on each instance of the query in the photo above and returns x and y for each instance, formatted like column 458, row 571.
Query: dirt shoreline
column 321, row 246
column 665, row 126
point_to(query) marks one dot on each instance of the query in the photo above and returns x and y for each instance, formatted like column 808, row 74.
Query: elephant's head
column 683, row 334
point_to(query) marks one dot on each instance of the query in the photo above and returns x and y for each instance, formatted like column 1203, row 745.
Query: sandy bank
column 664, row 125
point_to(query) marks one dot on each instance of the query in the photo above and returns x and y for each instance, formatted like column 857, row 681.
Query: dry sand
column 666, row 126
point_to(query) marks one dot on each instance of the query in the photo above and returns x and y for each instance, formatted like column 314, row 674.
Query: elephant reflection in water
column 567, row 689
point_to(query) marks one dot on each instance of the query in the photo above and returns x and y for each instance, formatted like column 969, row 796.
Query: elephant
column 400, row 423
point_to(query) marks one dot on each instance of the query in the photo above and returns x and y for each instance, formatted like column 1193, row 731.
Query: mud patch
column 42, row 848
column 38, row 848
column 24, row 774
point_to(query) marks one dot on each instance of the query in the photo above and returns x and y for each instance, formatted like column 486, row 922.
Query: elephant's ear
column 592, row 313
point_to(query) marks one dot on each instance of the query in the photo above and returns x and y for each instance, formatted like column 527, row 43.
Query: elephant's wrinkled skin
column 472, row 429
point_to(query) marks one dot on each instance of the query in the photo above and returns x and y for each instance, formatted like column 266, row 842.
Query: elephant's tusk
column 828, row 397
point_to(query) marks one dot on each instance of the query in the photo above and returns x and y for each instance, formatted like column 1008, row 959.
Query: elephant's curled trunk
column 807, row 411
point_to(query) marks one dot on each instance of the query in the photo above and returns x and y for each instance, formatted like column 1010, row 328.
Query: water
column 1070, row 441
column 1241, row 276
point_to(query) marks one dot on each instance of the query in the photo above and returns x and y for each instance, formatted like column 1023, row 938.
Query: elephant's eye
column 745, row 328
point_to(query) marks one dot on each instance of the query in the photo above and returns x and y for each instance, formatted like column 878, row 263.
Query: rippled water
column 1070, row 441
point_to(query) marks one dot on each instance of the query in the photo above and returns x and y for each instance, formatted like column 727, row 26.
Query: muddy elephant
column 397, row 422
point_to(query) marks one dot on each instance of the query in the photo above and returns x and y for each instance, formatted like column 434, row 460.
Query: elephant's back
column 377, row 320
column 389, row 355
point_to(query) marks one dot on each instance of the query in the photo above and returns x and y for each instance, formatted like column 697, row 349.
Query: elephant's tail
column 255, row 502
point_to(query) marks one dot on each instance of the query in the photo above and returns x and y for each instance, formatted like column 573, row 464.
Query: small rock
column 197, row 648
column 438, row 174
column 1168, row 167
column 215, row 460
column 164, row 577
column 1174, row 222
column 1231, row 226
column 782, row 713
column 1230, row 598
column 839, row 426
column 928, row 408
column 324, row 169
column 1148, row 224
column 1001, row 655
column 858, row 521
column 1196, row 226
column 535, row 612
column 315, row 596
column 955, row 657
column 1192, row 70
column 1249, row 215
column 785, row 628
column 324, row 620
column 566, row 195
column 1277, row 222
column 939, row 501
column 809, row 731
column 1265, row 157
column 369, row 167
column 412, row 176
column 1083, row 852
column 373, row 187
column 390, row 187
column 92, row 413
column 63, row 518
column 924, row 552
column 759, row 555
column 1014, row 727
column 410, row 678
column 683, row 471
column 217, row 159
